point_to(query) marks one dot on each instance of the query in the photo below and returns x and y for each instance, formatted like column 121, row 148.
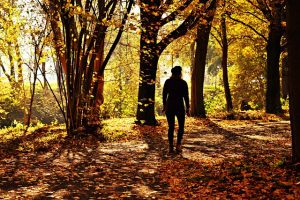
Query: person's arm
column 186, row 98
column 165, row 94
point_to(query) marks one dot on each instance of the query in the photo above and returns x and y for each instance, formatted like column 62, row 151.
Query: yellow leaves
column 78, row 10
column 248, row 51
column 43, row 60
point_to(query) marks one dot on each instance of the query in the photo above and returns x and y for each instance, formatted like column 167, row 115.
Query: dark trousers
column 171, row 121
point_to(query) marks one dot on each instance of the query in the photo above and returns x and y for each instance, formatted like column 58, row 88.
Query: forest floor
column 221, row 159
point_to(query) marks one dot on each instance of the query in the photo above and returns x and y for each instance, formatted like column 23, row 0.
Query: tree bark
column 12, row 66
column 44, row 76
column 284, row 77
column 148, row 66
column 198, row 70
column 293, row 32
column 229, row 105
column 273, row 104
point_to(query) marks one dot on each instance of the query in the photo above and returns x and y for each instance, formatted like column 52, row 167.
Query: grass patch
column 251, row 115
column 119, row 129
column 36, row 138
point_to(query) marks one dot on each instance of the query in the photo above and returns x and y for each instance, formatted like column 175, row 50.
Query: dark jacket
column 175, row 93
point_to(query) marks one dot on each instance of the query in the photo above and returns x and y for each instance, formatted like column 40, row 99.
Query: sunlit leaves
column 220, row 159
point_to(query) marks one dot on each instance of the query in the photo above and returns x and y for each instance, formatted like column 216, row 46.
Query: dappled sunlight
column 203, row 158
column 209, row 138
column 31, row 192
column 214, row 158
column 144, row 191
column 265, row 138
column 125, row 146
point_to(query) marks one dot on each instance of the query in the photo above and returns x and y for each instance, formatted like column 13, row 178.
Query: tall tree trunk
column 293, row 32
column 192, row 54
column 152, row 21
column 199, row 62
column 273, row 104
column 148, row 67
column 197, row 78
column 229, row 105
column 284, row 77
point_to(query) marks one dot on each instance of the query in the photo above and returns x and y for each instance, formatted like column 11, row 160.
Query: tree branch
column 217, row 39
column 264, row 8
column 4, row 71
column 166, row 5
column 187, row 24
column 118, row 37
column 257, row 17
column 175, row 13
column 249, row 26
column 181, row 30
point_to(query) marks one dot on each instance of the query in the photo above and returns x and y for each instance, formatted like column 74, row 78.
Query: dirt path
column 246, row 159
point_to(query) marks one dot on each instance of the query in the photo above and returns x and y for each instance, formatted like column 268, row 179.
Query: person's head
column 176, row 72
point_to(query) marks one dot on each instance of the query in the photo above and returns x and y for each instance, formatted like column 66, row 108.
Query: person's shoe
column 178, row 148
column 171, row 150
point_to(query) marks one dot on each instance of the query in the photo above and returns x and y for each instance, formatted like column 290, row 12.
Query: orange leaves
column 137, row 166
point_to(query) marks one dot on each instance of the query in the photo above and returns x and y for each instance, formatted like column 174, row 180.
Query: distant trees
column 79, row 32
column 11, row 24
column 293, row 32
column 274, row 12
column 222, row 38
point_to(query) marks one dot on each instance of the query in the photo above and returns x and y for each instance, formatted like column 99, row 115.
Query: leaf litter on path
column 220, row 160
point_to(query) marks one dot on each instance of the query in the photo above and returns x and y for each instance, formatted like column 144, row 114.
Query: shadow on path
column 214, row 163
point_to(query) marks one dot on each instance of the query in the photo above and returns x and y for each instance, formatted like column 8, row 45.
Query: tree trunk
column 284, row 78
column 151, row 22
column 229, row 105
column 148, row 68
column 293, row 32
column 198, row 72
column 19, row 65
column 12, row 66
column 192, row 52
column 199, row 62
column 273, row 104
column 44, row 76
column 149, row 56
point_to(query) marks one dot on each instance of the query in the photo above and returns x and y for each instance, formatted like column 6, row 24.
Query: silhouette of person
column 175, row 95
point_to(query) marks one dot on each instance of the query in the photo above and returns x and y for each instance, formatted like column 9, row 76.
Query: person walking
column 176, row 103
